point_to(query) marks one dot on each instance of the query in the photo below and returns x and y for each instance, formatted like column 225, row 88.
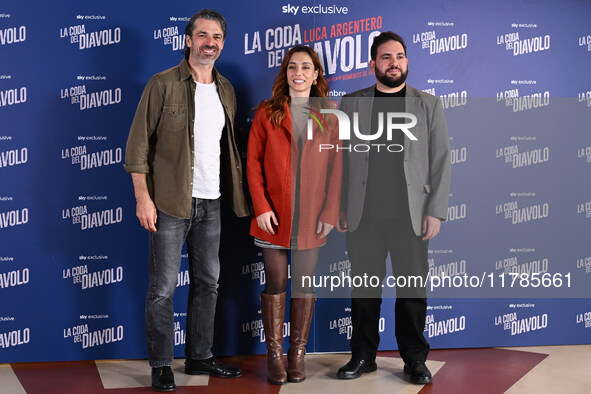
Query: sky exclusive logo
column 345, row 131
column 314, row 9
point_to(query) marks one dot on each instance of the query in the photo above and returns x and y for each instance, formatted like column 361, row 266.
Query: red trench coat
column 269, row 172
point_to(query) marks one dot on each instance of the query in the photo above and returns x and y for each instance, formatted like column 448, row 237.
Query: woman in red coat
column 295, row 188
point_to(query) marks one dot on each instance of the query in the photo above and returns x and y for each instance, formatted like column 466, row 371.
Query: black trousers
column 368, row 246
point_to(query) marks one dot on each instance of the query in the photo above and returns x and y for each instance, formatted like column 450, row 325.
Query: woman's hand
column 323, row 229
column 266, row 221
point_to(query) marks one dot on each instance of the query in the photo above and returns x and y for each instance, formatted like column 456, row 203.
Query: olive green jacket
column 160, row 142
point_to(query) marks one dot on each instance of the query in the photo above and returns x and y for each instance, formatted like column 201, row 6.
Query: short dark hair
column 208, row 14
column 383, row 38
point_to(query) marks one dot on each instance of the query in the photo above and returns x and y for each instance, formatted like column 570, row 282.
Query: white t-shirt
column 209, row 123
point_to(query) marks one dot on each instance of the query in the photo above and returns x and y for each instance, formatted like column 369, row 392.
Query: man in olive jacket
column 182, row 157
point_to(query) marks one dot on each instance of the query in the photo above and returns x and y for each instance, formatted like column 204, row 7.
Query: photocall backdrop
column 515, row 84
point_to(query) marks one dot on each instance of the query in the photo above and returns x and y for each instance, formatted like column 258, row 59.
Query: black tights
column 303, row 263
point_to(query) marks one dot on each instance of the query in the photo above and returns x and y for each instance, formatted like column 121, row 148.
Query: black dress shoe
column 212, row 367
column 355, row 368
column 163, row 379
column 418, row 371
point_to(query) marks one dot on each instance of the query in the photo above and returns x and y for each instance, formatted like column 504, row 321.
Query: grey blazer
column 427, row 163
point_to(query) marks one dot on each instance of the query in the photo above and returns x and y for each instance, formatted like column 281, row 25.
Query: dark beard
column 389, row 81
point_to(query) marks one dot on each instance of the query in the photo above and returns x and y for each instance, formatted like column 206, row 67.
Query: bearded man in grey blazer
column 395, row 196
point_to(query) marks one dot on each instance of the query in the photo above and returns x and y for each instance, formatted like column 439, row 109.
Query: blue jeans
column 202, row 233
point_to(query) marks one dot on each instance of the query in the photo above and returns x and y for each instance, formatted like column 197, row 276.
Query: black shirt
column 386, row 196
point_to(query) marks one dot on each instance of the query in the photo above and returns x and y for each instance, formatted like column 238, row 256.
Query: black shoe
column 355, row 368
column 163, row 379
column 418, row 371
column 212, row 367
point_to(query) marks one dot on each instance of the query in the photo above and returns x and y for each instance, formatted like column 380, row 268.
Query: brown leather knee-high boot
column 273, row 313
column 302, row 306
